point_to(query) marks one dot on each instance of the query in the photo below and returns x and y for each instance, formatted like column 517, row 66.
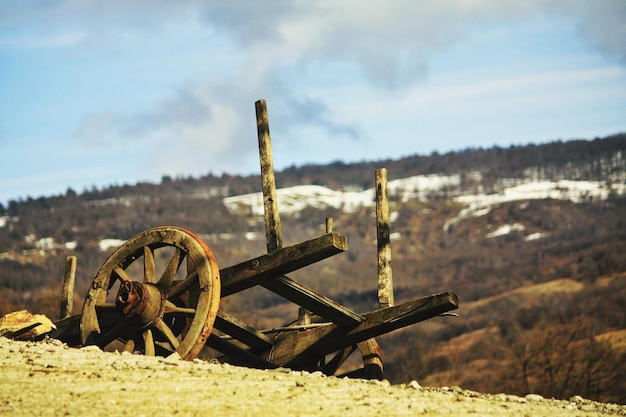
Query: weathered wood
column 329, row 224
column 67, row 297
column 311, row 300
column 236, row 355
column 297, row 350
column 273, row 231
column 23, row 325
column 250, row 273
column 67, row 331
column 385, row 277
column 157, row 297
column 240, row 331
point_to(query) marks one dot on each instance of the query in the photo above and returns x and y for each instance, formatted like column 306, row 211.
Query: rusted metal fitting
column 130, row 299
column 141, row 303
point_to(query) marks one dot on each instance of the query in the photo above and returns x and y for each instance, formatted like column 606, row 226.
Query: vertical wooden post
column 273, row 232
column 67, row 298
column 329, row 224
column 385, row 278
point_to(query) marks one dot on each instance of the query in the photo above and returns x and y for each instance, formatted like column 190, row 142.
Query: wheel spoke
column 173, row 308
column 149, row 268
column 121, row 274
column 129, row 346
column 183, row 285
column 148, row 341
column 331, row 367
column 170, row 272
column 167, row 332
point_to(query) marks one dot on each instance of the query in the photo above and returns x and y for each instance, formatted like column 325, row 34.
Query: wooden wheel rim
column 372, row 361
column 201, row 286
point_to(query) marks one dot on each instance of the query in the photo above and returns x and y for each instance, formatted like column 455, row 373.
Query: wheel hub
column 141, row 303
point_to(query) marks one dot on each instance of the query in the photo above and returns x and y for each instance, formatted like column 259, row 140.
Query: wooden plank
column 316, row 303
column 240, row 331
column 295, row 350
column 273, row 231
column 250, row 273
column 385, row 277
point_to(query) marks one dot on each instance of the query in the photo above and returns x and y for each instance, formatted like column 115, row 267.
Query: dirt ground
column 48, row 378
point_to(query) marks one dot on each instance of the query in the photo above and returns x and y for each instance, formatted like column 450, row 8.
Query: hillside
column 531, row 238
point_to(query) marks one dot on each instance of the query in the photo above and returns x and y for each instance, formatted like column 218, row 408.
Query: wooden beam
column 242, row 332
column 295, row 350
column 250, row 273
column 311, row 300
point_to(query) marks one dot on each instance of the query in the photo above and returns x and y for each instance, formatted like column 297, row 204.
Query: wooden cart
column 159, row 294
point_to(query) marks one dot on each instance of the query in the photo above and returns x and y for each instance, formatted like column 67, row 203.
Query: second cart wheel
column 157, row 294
column 362, row 360
column 370, row 366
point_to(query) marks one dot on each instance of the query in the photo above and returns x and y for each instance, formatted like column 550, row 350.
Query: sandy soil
column 49, row 379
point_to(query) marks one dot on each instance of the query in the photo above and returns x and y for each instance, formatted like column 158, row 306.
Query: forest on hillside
column 527, row 306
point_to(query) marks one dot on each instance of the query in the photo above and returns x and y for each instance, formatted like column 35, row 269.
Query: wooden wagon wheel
column 154, row 306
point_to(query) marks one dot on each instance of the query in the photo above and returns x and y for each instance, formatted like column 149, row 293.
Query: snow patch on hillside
column 506, row 229
column 293, row 199
column 535, row 236
column 106, row 244
column 576, row 191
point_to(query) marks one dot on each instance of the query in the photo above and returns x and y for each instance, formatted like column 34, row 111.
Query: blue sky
column 97, row 93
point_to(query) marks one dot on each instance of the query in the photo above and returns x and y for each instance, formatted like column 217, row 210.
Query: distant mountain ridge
column 598, row 159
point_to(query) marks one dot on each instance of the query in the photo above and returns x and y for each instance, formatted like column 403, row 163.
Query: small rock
column 533, row 397
column 415, row 385
column 456, row 389
column 91, row 348
column 577, row 399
